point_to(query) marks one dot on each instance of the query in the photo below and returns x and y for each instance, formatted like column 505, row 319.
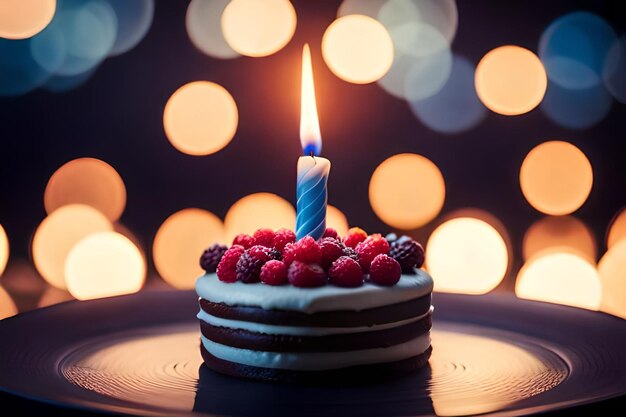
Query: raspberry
column 274, row 273
column 369, row 248
column 346, row 272
column 226, row 270
column 385, row 270
column 289, row 253
column 264, row 237
column 331, row 250
column 408, row 253
column 244, row 240
column 330, row 232
column 282, row 237
column 250, row 264
column 300, row 274
column 211, row 257
column 308, row 251
column 355, row 236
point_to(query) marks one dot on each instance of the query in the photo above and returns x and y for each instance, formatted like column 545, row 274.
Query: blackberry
column 249, row 268
column 350, row 253
column 211, row 257
column 276, row 254
column 408, row 253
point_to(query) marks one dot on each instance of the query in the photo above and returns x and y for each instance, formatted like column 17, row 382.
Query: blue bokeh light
column 134, row 19
column 614, row 73
column 576, row 108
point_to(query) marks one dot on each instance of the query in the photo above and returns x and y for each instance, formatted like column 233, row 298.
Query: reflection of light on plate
column 337, row 220
column 256, row 211
column 357, row 49
column 407, row 191
column 559, row 231
column 7, row 306
column 258, row 28
column 556, row 178
column 466, row 255
column 21, row 19
column 179, row 242
column 561, row 276
column 612, row 270
column 203, row 22
column 617, row 229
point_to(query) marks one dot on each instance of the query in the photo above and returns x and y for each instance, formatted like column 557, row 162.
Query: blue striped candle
column 312, row 196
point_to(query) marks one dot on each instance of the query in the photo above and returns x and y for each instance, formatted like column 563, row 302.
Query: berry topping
column 385, row 270
column 260, row 252
column 350, row 253
column 249, row 265
column 408, row 253
column 211, row 257
column 301, row 274
column 274, row 273
column 308, row 251
column 289, row 253
column 391, row 237
column 276, row 254
column 369, row 248
column 355, row 236
column 226, row 270
column 264, row 237
column 331, row 250
column 282, row 237
column 345, row 272
column 330, row 232
column 243, row 240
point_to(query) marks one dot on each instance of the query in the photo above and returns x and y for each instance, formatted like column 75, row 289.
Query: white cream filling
column 317, row 361
column 299, row 330
column 311, row 300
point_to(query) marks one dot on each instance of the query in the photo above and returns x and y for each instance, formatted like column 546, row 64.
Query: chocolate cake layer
column 359, row 373
column 245, row 339
column 341, row 318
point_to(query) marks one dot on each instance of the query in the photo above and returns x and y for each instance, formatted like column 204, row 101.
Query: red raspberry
column 282, row 237
column 274, row 273
column 289, row 253
column 244, row 240
column 331, row 250
column 300, row 274
column 346, row 272
column 308, row 251
column 226, row 270
column 369, row 248
column 260, row 253
column 330, row 232
column 355, row 236
column 264, row 237
column 385, row 270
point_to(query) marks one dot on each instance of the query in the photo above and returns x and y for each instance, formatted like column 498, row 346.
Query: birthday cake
column 276, row 309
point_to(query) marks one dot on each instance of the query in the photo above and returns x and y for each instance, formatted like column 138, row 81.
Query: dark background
column 117, row 116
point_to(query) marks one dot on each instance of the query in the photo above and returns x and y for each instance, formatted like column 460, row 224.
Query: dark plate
column 139, row 354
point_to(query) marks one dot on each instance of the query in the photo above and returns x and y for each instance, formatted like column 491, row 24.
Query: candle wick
column 313, row 156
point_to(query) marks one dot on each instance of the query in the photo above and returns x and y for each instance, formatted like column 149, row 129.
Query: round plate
column 139, row 354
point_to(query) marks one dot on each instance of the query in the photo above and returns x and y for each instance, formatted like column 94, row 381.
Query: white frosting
column 317, row 361
column 311, row 300
column 299, row 330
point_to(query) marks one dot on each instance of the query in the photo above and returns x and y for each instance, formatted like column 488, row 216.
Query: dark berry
column 345, row 272
column 211, row 257
column 408, row 253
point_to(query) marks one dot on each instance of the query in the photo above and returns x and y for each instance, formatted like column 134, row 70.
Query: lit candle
column 312, row 170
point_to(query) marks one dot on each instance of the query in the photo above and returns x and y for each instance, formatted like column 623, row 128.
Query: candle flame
column 310, row 135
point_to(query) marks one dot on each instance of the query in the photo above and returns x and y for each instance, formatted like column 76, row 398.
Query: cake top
column 277, row 259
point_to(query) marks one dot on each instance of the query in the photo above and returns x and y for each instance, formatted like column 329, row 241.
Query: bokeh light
column 510, row 80
column 258, row 28
column 556, row 178
column 200, row 118
column 52, row 296
column 560, row 276
column 19, row 72
column 337, row 220
column 179, row 242
column 357, row 49
column 87, row 181
column 612, row 271
column 576, row 109
column 440, row 14
column 204, row 27
column 134, row 19
column 63, row 83
column 617, row 229
column 58, row 233
column 614, row 73
column 256, row 211
column 4, row 249
column 466, row 255
column 7, row 306
column 23, row 282
column 573, row 49
column 21, row 19
column 104, row 265
column 407, row 191
column 368, row 8
column 456, row 107
column 559, row 231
